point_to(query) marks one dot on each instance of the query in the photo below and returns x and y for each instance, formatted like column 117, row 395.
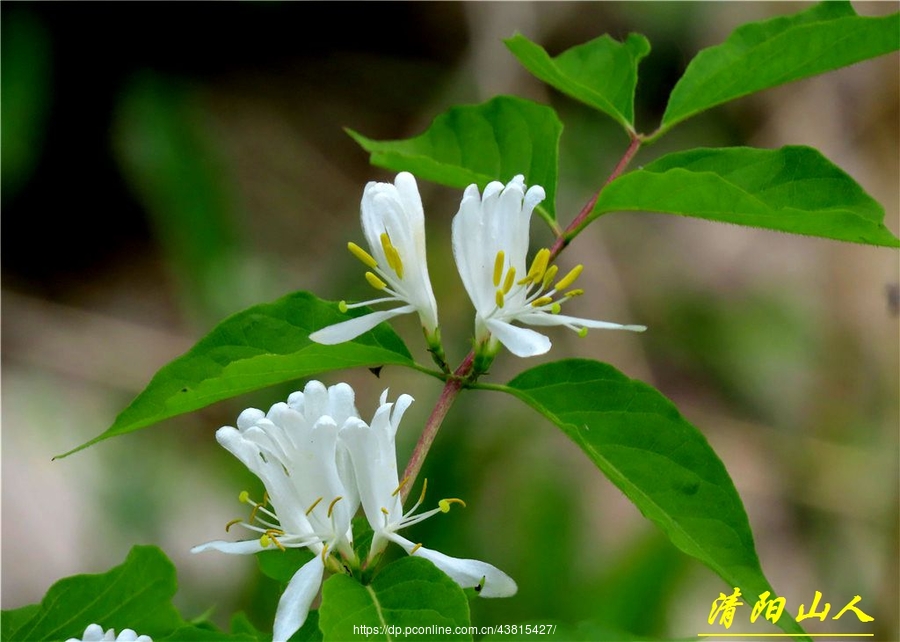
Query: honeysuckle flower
column 293, row 449
column 393, row 223
column 94, row 633
column 373, row 454
column 490, row 245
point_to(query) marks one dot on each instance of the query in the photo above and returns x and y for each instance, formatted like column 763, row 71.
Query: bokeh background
column 165, row 165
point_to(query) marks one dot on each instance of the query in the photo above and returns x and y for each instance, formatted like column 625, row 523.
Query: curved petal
column 352, row 328
column 467, row 573
column 293, row 607
column 246, row 547
column 522, row 342
column 545, row 319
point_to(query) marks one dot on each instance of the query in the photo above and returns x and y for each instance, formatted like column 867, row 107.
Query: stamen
column 444, row 504
column 324, row 551
column 555, row 308
column 331, row 506
column 544, row 300
column 569, row 278
column 499, row 298
column 244, row 497
column 314, row 504
column 424, row 488
column 538, row 266
column 498, row 267
column 549, row 276
column 510, row 279
column 574, row 293
column 270, row 536
column 375, row 282
column 385, row 510
column 400, row 486
column 342, row 306
column 415, row 548
column 362, row 255
column 583, row 332
column 392, row 255
column 232, row 523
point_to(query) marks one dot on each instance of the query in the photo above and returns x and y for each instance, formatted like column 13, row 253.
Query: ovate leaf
column 492, row 141
column 261, row 346
column 411, row 592
column 601, row 73
column 664, row 465
column 772, row 52
column 135, row 595
column 792, row 189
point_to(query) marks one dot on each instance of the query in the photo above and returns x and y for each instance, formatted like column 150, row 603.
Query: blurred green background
column 165, row 165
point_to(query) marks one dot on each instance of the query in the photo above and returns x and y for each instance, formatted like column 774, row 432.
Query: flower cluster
column 490, row 236
column 319, row 462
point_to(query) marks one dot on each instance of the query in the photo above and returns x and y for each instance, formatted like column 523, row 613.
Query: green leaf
column 601, row 73
column 261, row 346
column 664, row 465
column 411, row 592
column 791, row 189
column 203, row 634
column 14, row 619
column 280, row 565
column 468, row 144
column 769, row 53
column 135, row 595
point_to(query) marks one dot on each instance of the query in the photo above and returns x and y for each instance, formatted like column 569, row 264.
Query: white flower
column 394, row 226
column 490, row 245
column 373, row 454
column 293, row 449
column 94, row 633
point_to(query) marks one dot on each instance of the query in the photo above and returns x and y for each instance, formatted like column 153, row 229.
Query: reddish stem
column 563, row 239
column 448, row 395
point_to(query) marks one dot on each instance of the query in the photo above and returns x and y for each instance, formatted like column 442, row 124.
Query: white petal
column 467, row 573
column 293, row 607
column 246, row 547
column 546, row 319
column 522, row 342
column 127, row 635
column 352, row 328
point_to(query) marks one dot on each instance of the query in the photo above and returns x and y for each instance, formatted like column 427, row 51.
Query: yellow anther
column 544, row 300
column 342, row 306
column 415, row 548
column 362, row 255
column 555, row 308
column 549, row 276
column 331, row 505
column 569, row 279
column 574, row 293
column 392, row 255
column 385, row 511
column 270, row 537
column 424, row 488
column 244, row 497
column 444, row 504
column 314, row 504
column 539, row 265
column 232, row 523
column 583, row 332
column 400, row 486
column 499, row 298
column 510, row 279
column 375, row 282
column 499, row 262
